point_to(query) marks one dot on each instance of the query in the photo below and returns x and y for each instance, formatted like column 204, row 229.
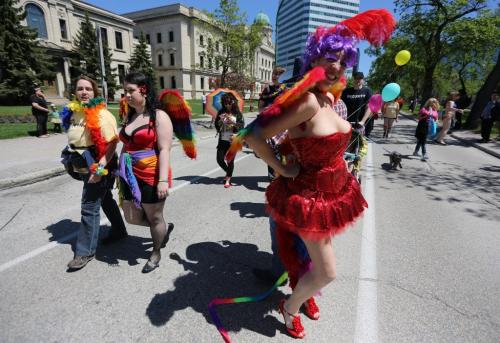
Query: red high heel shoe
column 227, row 182
column 311, row 309
column 298, row 330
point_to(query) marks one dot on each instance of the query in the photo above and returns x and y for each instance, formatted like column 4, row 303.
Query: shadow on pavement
column 249, row 182
column 219, row 270
column 249, row 209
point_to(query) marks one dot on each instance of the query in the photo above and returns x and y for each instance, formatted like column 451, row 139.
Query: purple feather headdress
column 328, row 43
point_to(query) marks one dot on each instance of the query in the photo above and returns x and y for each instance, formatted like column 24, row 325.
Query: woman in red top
column 316, row 197
column 144, row 164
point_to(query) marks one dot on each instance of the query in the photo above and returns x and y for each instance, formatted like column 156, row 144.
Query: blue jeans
column 95, row 196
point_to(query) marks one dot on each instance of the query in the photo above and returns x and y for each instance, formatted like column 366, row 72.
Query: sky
column 251, row 7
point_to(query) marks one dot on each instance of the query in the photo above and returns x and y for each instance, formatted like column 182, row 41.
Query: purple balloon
column 375, row 103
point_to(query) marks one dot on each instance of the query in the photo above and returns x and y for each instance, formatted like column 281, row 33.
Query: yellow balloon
column 402, row 57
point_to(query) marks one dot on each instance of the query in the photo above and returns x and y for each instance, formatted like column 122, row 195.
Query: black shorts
column 149, row 193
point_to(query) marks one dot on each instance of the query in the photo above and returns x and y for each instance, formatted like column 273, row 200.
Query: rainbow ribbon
column 220, row 301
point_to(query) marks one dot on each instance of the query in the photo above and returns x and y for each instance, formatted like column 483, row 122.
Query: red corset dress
column 324, row 198
column 143, row 138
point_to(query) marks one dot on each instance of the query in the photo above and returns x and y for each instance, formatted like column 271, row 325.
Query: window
column 162, row 82
column 202, row 82
column 158, row 37
column 202, row 40
column 217, row 64
column 63, row 28
column 172, row 59
column 36, row 20
column 210, row 43
column 160, row 60
column 210, row 65
column 202, row 62
column 121, row 73
column 170, row 36
column 172, row 81
column 104, row 36
column 148, row 38
column 217, row 46
column 118, row 40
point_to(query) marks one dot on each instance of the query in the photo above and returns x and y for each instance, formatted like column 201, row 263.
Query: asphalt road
column 423, row 265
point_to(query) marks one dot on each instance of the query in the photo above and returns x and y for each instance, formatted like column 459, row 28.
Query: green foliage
column 140, row 60
column 431, row 30
column 86, row 57
column 22, row 61
column 238, row 41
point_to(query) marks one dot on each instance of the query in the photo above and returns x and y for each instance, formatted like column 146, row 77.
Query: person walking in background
column 449, row 112
column 356, row 99
column 272, row 91
column 147, row 138
column 40, row 110
column 203, row 102
column 92, row 140
column 488, row 115
column 390, row 112
column 462, row 103
column 229, row 120
column 427, row 113
column 55, row 119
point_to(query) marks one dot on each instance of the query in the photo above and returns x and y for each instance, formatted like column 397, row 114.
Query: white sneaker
column 416, row 154
column 425, row 157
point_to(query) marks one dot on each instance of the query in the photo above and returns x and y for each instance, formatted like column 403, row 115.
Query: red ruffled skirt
column 316, row 204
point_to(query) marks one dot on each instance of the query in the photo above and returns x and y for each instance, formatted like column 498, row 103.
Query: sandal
column 311, row 309
column 298, row 330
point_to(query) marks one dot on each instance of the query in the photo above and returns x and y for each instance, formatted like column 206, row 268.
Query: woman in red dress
column 315, row 197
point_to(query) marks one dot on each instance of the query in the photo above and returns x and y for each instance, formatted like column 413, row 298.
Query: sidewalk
column 471, row 138
column 28, row 160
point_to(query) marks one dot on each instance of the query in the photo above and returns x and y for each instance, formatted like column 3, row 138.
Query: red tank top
column 142, row 138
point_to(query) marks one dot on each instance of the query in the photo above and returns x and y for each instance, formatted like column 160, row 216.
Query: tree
column 140, row 60
column 22, row 61
column 483, row 95
column 86, row 57
column 428, row 22
column 239, row 42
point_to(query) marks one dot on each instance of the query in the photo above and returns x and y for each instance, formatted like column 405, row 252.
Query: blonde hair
column 431, row 101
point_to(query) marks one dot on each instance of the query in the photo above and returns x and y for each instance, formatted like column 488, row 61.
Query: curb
column 477, row 146
column 30, row 178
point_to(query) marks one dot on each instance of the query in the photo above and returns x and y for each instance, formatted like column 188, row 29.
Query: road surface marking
column 366, row 313
column 104, row 221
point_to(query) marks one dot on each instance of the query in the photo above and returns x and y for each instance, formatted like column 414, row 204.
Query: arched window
column 36, row 20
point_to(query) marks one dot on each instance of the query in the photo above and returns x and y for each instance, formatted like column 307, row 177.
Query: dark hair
column 230, row 98
column 95, row 87
column 141, row 80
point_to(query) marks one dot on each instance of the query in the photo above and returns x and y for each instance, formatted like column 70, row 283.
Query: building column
column 67, row 78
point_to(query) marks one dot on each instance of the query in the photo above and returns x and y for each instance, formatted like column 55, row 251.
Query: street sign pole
column 103, row 67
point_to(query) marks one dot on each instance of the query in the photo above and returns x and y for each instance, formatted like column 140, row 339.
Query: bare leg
column 134, row 215
column 322, row 273
column 158, row 227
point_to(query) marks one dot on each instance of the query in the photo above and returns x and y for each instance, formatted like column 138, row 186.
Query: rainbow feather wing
column 281, row 103
column 180, row 113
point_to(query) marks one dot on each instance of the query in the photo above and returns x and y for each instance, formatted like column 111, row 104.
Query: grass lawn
column 29, row 129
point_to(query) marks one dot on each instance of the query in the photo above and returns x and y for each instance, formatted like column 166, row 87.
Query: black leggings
column 41, row 124
column 421, row 143
column 222, row 148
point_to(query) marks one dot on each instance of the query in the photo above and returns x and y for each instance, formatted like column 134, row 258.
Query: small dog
column 395, row 160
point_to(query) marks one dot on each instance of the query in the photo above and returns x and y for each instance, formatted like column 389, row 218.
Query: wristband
column 163, row 181
column 98, row 169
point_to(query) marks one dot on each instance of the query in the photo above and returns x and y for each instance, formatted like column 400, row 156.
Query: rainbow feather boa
column 284, row 101
column 180, row 113
column 92, row 121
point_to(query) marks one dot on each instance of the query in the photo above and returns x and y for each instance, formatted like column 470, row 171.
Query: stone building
column 179, row 41
column 58, row 22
